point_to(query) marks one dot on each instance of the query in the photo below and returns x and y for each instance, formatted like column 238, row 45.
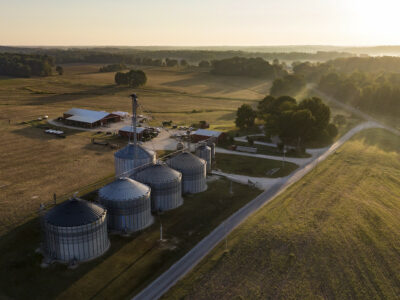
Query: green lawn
column 130, row 264
column 333, row 235
column 252, row 166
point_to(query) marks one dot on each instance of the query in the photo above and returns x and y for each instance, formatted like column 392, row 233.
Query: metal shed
column 165, row 184
column 75, row 231
column 128, row 205
column 204, row 152
column 193, row 171
column 131, row 157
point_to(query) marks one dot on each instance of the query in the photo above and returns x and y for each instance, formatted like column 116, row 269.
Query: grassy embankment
column 130, row 264
column 251, row 166
column 334, row 235
column 34, row 165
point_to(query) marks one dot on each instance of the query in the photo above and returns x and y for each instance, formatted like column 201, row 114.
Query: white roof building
column 85, row 115
column 205, row 132
column 122, row 114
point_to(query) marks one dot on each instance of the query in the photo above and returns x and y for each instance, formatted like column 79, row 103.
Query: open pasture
column 34, row 165
column 334, row 234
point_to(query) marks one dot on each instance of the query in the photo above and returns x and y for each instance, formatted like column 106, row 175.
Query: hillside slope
column 333, row 235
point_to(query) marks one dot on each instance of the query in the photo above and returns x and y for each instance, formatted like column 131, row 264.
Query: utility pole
column 226, row 237
column 161, row 229
column 284, row 152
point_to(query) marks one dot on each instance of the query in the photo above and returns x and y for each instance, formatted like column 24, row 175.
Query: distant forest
column 252, row 67
column 24, row 65
column 369, row 83
column 109, row 55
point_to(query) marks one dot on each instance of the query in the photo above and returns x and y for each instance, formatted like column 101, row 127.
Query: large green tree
column 296, row 123
column 245, row 116
column 133, row 78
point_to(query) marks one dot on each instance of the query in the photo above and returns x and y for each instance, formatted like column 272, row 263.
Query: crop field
column 333, row 235
column 131, row 262
column 35, row 165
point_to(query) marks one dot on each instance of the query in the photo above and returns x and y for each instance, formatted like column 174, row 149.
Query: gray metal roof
column 205, row 132
column 124, row 189
column 130, row 129
column 158, row 173
column 86, row 115
column 203, row 146
column 186, row 160
column 74, row 212
column 128, row 152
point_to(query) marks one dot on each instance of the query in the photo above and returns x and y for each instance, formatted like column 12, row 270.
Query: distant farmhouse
column 204, row 134
column 89, row 118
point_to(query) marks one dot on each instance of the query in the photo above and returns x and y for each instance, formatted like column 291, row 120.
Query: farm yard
column 35, row 165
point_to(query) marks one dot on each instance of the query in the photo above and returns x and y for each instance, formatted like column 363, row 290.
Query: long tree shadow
column 38, row 132
column 93, row 91
column 229, row 84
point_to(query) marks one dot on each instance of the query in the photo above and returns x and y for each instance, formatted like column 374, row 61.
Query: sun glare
column 377, row 22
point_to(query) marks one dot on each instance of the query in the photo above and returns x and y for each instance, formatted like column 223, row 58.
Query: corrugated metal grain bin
column 125, row 159
column 204, row 152
column 128, row 205
column 193, row 171
column 75, row 231
column 165, row 184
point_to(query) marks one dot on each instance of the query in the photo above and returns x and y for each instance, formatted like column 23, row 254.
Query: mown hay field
column 333, row 235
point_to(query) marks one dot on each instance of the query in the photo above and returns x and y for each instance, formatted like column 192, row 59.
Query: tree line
column 110, row 55
column 296, row 123
column 25, row 65
column 369, row 83
column 252, row 67
column 112, row 68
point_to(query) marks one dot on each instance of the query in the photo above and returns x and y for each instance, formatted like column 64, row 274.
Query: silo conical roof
column 124, row 189
column 186, row 160
column 158, row 173
column 74, row 212
column 128, row 152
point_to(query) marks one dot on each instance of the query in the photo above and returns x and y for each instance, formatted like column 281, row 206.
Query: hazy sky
column 200, row 22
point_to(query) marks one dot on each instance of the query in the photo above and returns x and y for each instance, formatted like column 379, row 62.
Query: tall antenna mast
column 134, row 117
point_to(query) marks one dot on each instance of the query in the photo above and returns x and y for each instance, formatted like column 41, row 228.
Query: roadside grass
column 333, row 235
column 129, row 265
column 252, row 166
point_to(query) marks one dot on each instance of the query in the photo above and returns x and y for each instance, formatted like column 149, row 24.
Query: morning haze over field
column 199, row 149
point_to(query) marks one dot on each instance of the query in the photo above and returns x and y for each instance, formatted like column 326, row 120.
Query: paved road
column 166, row 280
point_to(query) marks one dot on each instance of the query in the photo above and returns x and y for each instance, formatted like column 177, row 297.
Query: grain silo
column 128, row 205
column 204, row 152
column 165, row 184
column 131, row 157
column 212, row 146
column 75, row 231
column 193, row 171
